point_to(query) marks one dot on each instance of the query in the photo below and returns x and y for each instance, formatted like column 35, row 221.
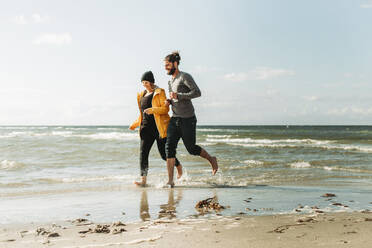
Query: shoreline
column 343, row 229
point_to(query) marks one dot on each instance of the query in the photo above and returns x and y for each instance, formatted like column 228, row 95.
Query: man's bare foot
column 140, row 184
column 179, row 171
column 214, row 165
column 170, row 184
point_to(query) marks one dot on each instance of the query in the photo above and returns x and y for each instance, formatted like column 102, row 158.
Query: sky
column 256, row 62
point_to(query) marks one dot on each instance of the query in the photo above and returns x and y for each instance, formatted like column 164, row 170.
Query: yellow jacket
column 159, row 110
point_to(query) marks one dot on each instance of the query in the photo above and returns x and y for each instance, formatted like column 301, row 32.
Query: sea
column 58, row 173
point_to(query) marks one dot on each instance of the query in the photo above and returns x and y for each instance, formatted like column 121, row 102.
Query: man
column 182, row 88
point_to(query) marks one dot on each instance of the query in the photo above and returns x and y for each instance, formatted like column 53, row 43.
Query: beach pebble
column 306, row 219
column 336, row 204
column 86, row 231
column 42, row 231
column 117, row 231
column 329, row 195
column 53, row 235
column 79, row 220
column 368, row 219
column 118, row 223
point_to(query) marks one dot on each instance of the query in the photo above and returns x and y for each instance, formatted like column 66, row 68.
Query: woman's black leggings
column 148, row 136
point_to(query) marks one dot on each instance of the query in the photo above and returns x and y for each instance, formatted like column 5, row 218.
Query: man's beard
column 172, row 71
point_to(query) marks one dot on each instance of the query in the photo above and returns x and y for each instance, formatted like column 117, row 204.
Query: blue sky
column 256, row 62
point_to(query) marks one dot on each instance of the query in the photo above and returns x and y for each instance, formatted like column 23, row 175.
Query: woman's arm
column 162, row 109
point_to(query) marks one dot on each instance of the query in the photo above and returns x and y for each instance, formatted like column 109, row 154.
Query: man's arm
column 194, row 89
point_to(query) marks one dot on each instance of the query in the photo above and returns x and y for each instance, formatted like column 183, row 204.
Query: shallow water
column 70, row 170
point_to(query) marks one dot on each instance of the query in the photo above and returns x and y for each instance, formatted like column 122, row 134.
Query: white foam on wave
column 267, row 141
column 110, row 136
column 290, row 143
column 264, row 145
column 95, row 179
column 71, row 134
column 10, row 165
column 347, row 148
column 254, row 162
column 218, row 136
column 355, row 170
column 300, row 165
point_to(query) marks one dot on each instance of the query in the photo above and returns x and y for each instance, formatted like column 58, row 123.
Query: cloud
column 311, row 98
column 35, row 18
column 346, row 111
column 366, row 5
column 259, row 73
column 199, row 69
column 20, row 19
column 348, row 75
column 54, row 39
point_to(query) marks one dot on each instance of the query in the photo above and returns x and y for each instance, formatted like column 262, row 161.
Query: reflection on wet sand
column 167, row 210
column 144, row 207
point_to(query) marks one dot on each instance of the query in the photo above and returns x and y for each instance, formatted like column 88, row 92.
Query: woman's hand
column 148, row 111
column 167, row 102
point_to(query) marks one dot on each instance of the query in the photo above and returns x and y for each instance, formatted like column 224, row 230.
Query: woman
column 153, row 122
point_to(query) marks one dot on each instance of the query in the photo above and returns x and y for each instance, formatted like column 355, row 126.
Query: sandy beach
column 292, row 230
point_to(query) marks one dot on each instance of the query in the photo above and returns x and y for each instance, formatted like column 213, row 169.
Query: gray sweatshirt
column 185, row 87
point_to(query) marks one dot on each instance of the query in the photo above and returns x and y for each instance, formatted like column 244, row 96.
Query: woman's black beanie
column 148, row 76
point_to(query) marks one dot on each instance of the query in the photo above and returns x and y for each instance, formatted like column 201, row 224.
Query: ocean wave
column 349, row 148
column 290, row 143
column 218, row 136
column 10, row 165
column 337, row 168
column 87, row 179
column 110, row 136
column 264, row 145
column 218, row 130
column 253, row 162
column 269, row 141
column 300, row 165
column 71, row 134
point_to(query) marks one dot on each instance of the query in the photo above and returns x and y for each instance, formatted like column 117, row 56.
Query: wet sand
column 289, row 231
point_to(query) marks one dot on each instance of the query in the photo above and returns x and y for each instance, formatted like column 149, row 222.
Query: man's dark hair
column 173, row 57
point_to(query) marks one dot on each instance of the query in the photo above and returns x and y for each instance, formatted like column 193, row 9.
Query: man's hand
column 173, row 95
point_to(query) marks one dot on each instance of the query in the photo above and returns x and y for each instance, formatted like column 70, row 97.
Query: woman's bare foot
column 179, row 171
column 140, row 184
column 214, row 165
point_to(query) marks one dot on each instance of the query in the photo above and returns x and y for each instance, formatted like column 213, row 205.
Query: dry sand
column 287, row 231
